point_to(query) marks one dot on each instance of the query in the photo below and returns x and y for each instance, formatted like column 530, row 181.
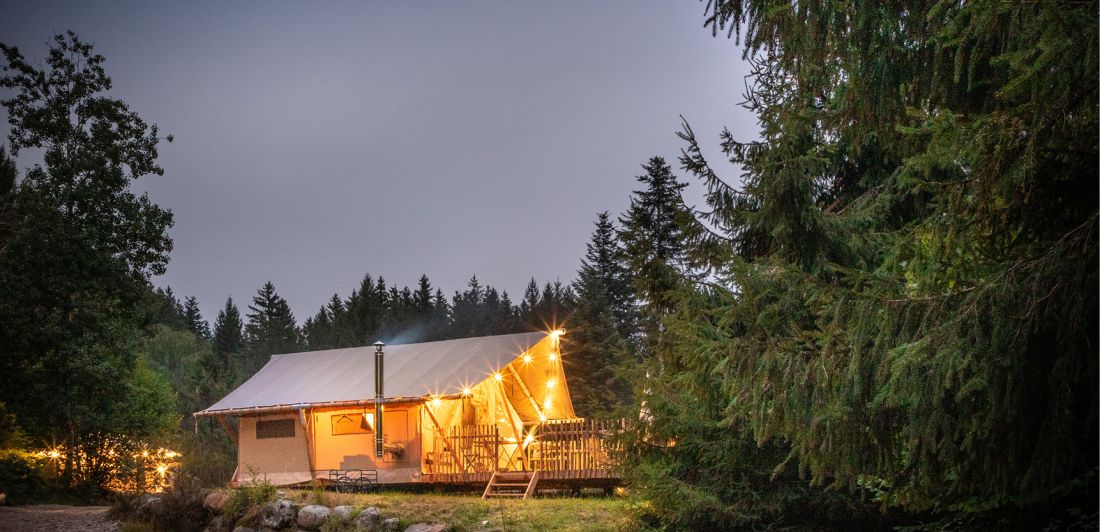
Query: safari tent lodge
column 491, row 409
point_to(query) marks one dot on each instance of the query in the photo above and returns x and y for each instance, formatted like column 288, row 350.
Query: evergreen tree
column 601, row 322
column 902, row 298
column 227, row 346
column 193, row 319
column 653, row 240
column 228, row 330
column 271, row 328
column 167, row 310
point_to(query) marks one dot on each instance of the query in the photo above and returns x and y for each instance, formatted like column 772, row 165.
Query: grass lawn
column 470, row 512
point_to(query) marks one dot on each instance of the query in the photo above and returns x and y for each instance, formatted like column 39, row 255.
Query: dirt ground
column 56, row 517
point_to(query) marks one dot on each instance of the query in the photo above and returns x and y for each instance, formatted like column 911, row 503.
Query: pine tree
column 654, row 240
column 902, row 292
column 193, row 319
column 601, row 322
column 271, row 328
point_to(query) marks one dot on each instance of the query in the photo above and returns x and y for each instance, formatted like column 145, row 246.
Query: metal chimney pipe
column 378, row 397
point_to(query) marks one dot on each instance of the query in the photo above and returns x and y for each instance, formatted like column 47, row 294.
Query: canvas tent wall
column 515, row 381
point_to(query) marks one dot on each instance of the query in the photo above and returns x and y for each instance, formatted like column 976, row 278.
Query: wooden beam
column 526, row 392
column 443, row 436
column 228, row 430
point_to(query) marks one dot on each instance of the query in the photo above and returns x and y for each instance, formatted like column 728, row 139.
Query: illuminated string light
column 547, row 404
column 542, row 417
column 553, row 357
column 436, row 401
column 527, row 358
column 530, row 438
column 498, row 376
column 550, row 383
column 466, row 391
column 162, row 469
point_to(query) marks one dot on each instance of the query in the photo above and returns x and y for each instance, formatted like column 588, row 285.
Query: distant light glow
column 542, row 417
column 553, row 357
column 54, row 454
column 556, row 333
column 550, row 383
column 171, row 454
column 162, row 469
column 547, row 403
column 530, row 438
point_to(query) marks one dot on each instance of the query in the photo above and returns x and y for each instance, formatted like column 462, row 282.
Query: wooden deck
column 576, row 452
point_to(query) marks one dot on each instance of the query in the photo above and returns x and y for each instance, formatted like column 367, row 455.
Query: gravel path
column 52, row 517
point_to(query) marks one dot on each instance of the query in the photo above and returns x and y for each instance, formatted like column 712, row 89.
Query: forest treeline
column 884, row 312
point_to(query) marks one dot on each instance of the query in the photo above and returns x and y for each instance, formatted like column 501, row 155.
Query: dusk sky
column 316, row 142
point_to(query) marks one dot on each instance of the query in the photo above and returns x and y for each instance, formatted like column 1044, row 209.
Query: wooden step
column 518, row 484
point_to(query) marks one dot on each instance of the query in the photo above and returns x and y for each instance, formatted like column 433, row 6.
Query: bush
column 21, row 478
column 248, row 496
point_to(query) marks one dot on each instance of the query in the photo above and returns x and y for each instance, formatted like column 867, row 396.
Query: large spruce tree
column 654, row 245
column 904, row 291
column 271, row 328
column 600, row 325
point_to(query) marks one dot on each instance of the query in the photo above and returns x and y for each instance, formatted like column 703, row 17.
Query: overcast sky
column 315, row 142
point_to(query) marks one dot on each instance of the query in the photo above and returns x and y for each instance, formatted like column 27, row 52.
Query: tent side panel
column 281, row 459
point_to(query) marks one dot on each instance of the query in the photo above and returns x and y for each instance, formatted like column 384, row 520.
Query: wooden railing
column 558, row 449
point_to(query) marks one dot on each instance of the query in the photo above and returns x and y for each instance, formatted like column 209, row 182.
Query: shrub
column 21, row 478
column 248, row 496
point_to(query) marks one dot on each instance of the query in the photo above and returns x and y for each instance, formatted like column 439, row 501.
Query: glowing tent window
column 275, row 428
column 352, row 424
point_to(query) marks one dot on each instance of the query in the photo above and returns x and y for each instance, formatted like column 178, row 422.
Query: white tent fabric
column 411, row 370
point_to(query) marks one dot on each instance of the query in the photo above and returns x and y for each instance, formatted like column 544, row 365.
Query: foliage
column 252, row 494
column 271, row 328
column 601, row 326
column 653, row 246
column 22, row 479
column 900, row 298
column 75, row 266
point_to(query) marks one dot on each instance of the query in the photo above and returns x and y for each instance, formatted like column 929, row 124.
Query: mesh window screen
column 275, row 428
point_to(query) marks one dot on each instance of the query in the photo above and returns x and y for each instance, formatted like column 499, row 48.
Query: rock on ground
column 368, row 519
column 278, row 514
column 344, row 512
column 215, row 501
column 311, row 517
column 390, row 524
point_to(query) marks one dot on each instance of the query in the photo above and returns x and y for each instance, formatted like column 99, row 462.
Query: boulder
column 391, row 524
column 368, row 519
column 311, row 517
column 343, row 512
column 215, row 501
column 426, row 527
column 278, row 514
column 149, row 507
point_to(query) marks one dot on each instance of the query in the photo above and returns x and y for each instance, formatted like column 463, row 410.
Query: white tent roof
column 411, row 370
